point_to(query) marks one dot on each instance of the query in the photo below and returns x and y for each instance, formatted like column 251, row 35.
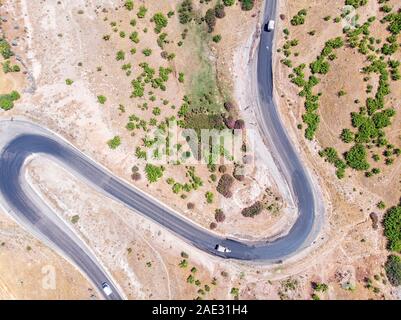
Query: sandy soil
column 30, row 270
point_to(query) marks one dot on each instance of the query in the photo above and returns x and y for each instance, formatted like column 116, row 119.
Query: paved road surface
column 26, row 208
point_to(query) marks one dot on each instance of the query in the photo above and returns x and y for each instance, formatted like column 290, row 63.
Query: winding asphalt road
column 28, row 209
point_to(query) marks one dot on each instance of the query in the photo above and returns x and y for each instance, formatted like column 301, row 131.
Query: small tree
column 219, row 215
column 219, row 11
column 101, row 99
column 228, row 2
column 210, row 20
column 129, row 5
column 393, row 270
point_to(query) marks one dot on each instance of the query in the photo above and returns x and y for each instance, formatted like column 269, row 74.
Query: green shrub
column 347, row 136
column 153, row 173
column 219, row 11
column 356, row 158
column 142, row 12
column 101, row 99
column 312, row 120
column 181, row 77
column 129, row 5
column 160, row 21
column 392, row 228
column 138, row 88
column 299, row 18
column 253, row 210
column 114, row 143
column 217, row 38
column 320, row 66
column 228, row 2
column 395, row 23
column 224, row 186
column 7, row 100
column 120, row 55
column 393, row 270
column 134, row 37
column 185, row 14
column 5, row 49
column 247, row 5
column 210, row 19
column 209, row 197
column 356, row 3
column 147, row 52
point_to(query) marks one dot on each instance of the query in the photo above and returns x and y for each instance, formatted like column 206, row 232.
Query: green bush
column 253, row 210
column 7, row 100
column 185, row 14
column 181, row 77
column 209, row 197
column 356, row 158
column 392, row 228
column 299, row 18
column 217, row 38
column 142, row 12
column 5, row 49
column 247, row 5
column 210, row 19
column 138, row 88
column 114, row 143
column 147, row 52
column 101, row 99
column 153, row 173
column 382, row 119
column 219, row 11
column 393, row 270
column 395, row 23
column 356, row 3
column 312, row 120
column 129, row 5
column 134, row 37
column 120, row 55
column 224, row 186
column 347, row 136
column 160, row 21
column 228, row 2
column 320, row 66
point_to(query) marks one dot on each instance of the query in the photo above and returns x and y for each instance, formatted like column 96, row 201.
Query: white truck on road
column 270, row 25
column 106, row 289
column 223, row 249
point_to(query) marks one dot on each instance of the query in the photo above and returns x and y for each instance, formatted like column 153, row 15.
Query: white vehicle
column 270, row 25
column 223, row 249
column 106, row 289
